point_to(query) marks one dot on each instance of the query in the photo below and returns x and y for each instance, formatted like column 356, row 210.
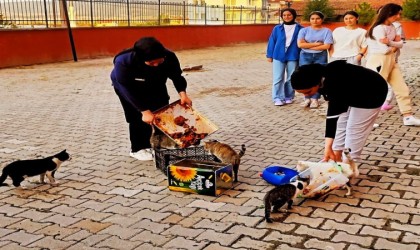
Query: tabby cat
column 226, row 154
column 279, row 195
column 159, row 140
column 19, row 170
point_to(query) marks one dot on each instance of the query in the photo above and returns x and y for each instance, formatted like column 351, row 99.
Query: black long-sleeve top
column 346, row 85
column 145, row 86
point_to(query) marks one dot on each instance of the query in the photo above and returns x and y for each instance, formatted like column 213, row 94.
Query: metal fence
column 102, row 13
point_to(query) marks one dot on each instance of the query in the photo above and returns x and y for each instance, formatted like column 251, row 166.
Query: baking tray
column 183, row 124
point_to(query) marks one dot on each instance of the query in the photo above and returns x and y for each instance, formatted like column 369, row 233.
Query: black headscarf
column 145, row 49
column 294, row 14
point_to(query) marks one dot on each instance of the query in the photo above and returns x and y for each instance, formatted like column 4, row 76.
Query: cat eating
column 21, row 169
column 279, row 195
column 159, row 140
column 226, row 154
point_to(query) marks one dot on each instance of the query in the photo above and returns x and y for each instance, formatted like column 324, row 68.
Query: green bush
column 366, row 13
column 411, row 9
column 318, row 5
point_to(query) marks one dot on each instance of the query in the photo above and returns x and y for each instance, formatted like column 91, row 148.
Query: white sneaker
column 411, row 121
column 143, row 155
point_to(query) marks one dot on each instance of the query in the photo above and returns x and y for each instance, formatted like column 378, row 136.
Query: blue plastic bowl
column 277, row 175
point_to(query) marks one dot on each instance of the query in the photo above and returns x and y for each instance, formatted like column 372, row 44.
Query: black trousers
column 139, row 131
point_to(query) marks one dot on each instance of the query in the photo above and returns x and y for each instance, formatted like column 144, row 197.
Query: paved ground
column 108, row 200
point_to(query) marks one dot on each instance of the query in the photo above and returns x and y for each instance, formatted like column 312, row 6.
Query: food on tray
column 183, row 124
column 189, row 137
column 180, row 120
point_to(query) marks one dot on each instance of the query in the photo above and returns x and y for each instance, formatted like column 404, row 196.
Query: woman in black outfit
column 355, row 96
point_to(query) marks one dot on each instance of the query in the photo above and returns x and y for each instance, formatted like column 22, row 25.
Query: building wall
column 28, row 47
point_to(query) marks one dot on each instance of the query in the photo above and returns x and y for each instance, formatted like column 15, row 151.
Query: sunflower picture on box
column 200, row 177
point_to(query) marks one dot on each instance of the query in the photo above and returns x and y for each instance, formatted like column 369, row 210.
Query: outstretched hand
column 148, row 116
column 329, row 152
column 185, row 99
column 329, row 155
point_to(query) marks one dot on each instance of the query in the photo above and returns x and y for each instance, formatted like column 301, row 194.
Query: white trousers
column 353, row 129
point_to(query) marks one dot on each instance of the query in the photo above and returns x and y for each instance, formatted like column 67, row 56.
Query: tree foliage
column 318, row 5
column 411, row 9
column 366, row 13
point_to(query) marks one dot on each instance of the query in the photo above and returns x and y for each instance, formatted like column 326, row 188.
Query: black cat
column 19, row 170
column 279, row 195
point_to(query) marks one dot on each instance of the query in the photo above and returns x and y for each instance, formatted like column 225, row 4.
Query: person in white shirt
column 383, row 43
column 349, row 41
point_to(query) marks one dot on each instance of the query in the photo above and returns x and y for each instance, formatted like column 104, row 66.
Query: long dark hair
column 384, row 13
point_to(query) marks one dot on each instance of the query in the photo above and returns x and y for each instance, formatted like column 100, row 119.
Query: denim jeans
column 282, row 88
column 310, row 58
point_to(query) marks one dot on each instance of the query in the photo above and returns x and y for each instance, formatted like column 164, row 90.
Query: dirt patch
column 231, row 91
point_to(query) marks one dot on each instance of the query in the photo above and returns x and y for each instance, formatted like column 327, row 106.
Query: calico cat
column 160, row 140
column 279, row 195
column 19, row 170
column 226, row 154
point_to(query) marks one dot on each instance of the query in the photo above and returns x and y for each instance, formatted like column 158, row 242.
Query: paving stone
column 386, row 244
column 242, row 210
column 217, row 246
column 188, row 233
column 11, row 210
column 185, row 243
column 351, row 209
column 329, row 215
column 391, row 215
column 154, row 238
column 249, row 243
column 393, row 235
column 28, row 225
column 411, row 238
column 148, row 214
column 79, row 246
column 405, row 209
column 8, row 245
column 405, row 227
column 61, row 220
column 151, row 226
column 5, row 220
column 22, row 237
column 114, row 242
column 405, row 188
column 155, row 206
column 93, row 239
column 315, row 243
column 322, row 234
column 249, row 221
column 91, row 226
column 364, row 241
column 312, row 222
column 216, row 226
column 276, row 236
column 4, row 231
column 225, row 239
column 253, row 233
column 80, row 234
column 124, row 192
column 207, row 205
column 96, row 205
column 357, row 219
column 349, row 228
column 318, row 204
